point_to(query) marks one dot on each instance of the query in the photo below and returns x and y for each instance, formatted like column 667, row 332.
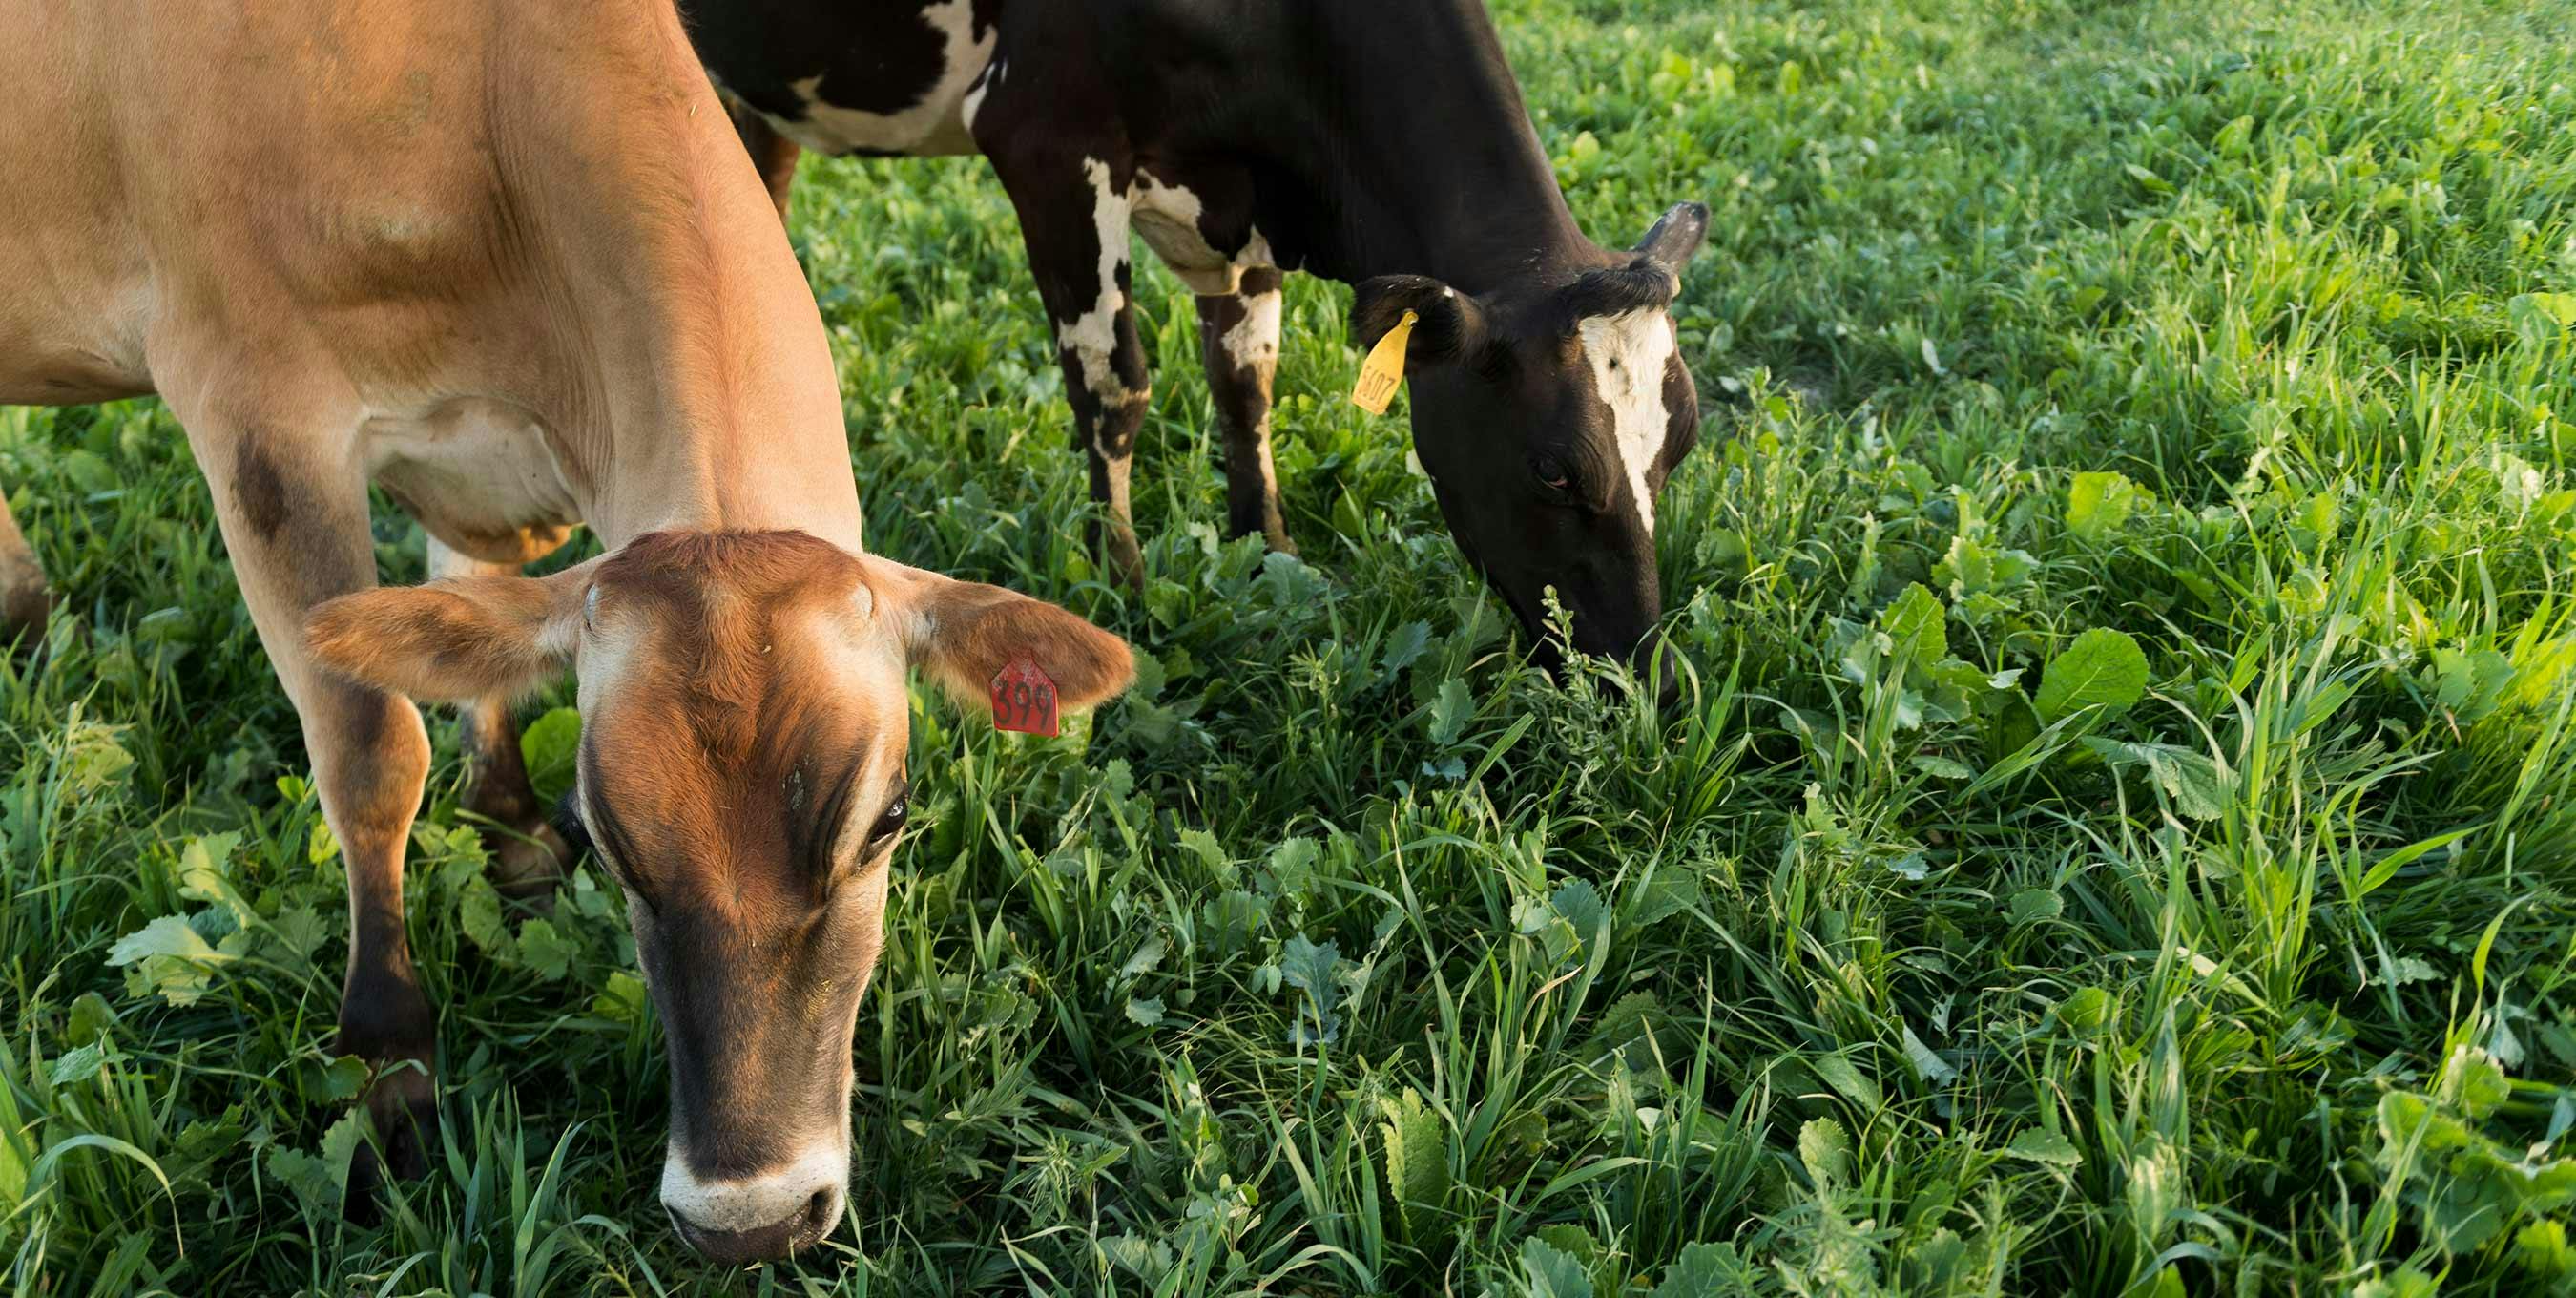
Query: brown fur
column 507, row 260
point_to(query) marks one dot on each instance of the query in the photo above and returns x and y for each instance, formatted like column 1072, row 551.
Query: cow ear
column 455, row 640
column 1448, row 325
column 1676, row 236
column 963, row 633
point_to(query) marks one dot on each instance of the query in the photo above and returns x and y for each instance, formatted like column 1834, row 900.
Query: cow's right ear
column 1448, row 325
column 455, row 640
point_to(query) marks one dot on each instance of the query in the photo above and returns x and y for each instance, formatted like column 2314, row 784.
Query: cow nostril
column 816, row 1220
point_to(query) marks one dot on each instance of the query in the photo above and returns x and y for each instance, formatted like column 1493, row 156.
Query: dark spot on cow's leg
column 267, row 499
column 1239, row 341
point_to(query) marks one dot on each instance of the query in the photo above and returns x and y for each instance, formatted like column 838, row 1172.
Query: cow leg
column 1074, row 218
column 774, row 155
column 24, row 599
column 527, row 854
column 1239, row 339
column 294, row 515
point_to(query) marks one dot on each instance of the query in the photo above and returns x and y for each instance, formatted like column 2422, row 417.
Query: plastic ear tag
column 1383, row 372
column 1024, row 698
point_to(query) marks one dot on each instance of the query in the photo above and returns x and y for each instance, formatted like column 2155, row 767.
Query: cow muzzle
column 756, row 1218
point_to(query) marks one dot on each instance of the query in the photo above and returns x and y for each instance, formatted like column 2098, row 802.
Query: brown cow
column 508, row 261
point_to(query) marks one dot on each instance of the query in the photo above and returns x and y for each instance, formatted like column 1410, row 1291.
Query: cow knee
column 370, row 762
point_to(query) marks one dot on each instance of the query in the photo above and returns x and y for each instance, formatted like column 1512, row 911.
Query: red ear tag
column 1024, row 698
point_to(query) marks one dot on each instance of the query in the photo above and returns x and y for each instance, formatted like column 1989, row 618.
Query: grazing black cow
column 1379, row 142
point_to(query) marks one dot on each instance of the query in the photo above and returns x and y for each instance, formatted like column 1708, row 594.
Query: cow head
column 1548, row 413
column 742, row 774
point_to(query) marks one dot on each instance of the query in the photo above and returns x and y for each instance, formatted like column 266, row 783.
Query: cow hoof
column 527, row 865
column 402, row 1107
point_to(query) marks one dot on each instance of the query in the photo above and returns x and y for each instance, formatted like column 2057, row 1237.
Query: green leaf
column 2541, row 317
column 2087, row 1010
column 1826, row 1149
column 1839, row 1073
column 1552, row 1272
column 1916, row 627
column 2232, row 139
column 546, row 952
column 344, row 1077
column 1451, row 711
column 78, row 1065
column 2097, row 504
column 551, row 747
column 202, row 876
column 2102, row 668
column 1417, row 1162
column 1208, row 850
column 1706, row 1270
column 2036, row 904
column 1927, row 1062
column 1310, row 968
column 1145, row 1011
column 1403, row 646
column 621, row 1000
column 170, row 958
column 2047, row 1147
column 2195, row 783
column 478, row 912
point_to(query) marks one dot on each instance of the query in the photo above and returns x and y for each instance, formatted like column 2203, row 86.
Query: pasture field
column 2121, row 836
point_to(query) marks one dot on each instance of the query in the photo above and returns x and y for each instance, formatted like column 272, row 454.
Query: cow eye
column 889, row 822
column 1551, row 472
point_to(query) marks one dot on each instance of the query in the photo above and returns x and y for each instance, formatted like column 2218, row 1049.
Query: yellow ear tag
column 1383, row 372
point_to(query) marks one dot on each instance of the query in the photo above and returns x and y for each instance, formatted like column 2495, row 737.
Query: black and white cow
column 1378, row 142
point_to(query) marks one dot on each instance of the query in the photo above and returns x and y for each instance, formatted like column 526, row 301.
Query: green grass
column 2119, row 838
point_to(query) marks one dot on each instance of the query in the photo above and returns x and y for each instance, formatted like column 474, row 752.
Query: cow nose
column 757, row 1218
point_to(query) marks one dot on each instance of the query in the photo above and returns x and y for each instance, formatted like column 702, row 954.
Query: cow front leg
column 294, row 515
column 527, row 854
column 1239, row 340
column 1074, row 217
column 25, row 601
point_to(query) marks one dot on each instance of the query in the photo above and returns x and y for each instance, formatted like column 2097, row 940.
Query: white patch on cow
column 986, row 83
column 1168, row 216
column 1253, row 342
column 1092, row 337
column 1628, row 354
column 753, row 1203
column 935, row 125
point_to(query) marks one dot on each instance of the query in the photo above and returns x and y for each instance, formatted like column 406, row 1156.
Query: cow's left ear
column 1676, row 236
column 963, row 633
column 1448, row 325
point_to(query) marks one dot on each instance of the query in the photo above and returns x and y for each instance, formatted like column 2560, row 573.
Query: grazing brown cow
column 508, row 261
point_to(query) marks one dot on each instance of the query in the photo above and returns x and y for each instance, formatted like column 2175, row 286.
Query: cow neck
column 1431, row 166
column 698, row 390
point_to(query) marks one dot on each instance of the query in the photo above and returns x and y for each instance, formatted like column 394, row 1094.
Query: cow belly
column 480, row 475
column 854, row 107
